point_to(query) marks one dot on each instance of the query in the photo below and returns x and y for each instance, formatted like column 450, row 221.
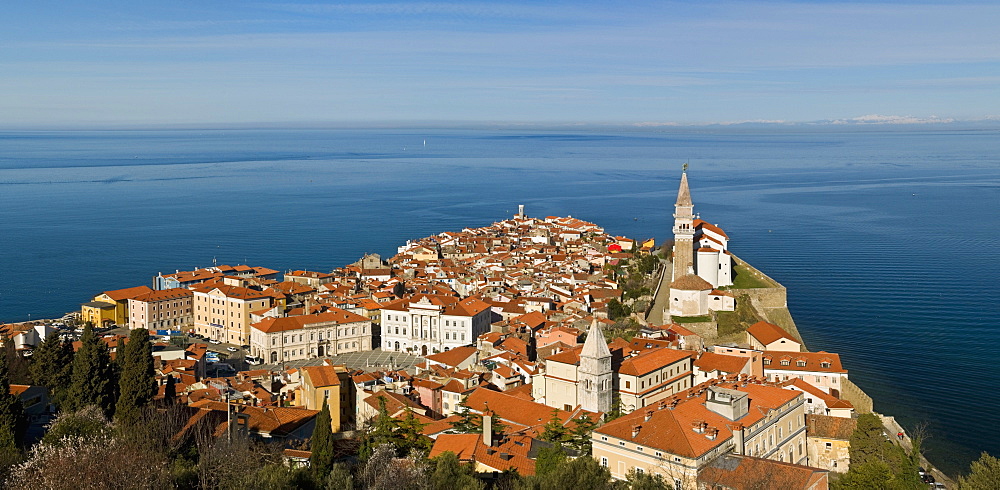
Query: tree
column 617, row 310
column 17, row 366
column 52, row 366
column 402, row 434
column 984, row 474
column 876, row 462
column 579, row 473
column 579, row 435
column 646, row 481
column 87, row 423
column 93, row 379
column 339, row 478
column 137, row 385
column 321, row 445
column 450, row 474
column 554, row 431
column 549, row 460
column 13, row 423
column 468, row 422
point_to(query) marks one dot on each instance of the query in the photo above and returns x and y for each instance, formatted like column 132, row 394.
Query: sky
column 100, row 63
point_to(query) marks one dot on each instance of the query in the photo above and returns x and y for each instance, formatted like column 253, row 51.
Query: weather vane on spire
column 684, row 167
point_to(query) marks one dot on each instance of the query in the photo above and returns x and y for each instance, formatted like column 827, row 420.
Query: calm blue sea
column 887, row 241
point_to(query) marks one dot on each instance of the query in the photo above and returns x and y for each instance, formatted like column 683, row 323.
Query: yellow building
column 111, row 306
column 332, row 384
column 829, row 441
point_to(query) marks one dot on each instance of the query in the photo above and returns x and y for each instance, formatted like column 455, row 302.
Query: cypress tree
column 321, row 445
column 13, row 423
column 93, row 380
column 52, row 366
column 137, row 385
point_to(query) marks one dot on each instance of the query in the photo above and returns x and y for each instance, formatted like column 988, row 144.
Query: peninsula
column 518, row 350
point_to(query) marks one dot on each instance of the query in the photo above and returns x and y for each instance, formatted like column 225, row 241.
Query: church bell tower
column 683, row 230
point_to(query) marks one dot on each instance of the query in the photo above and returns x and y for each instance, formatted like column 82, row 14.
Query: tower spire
column 684, row 193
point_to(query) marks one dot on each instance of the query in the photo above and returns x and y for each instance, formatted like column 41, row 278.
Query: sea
column 887, row 240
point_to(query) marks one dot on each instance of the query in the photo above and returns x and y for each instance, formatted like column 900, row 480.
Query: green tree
column 408, row 436
column 93, row 380
column 380, row 432
column 467, row 422
column 321, row 445
column 13, row 423
column 877, row 462
column 984, row 474
column 17, row 366
column 617, row 310
column 549, row 460
column 579, row 435
column 579, row 473
column 137, row 384
column 554, row 431
column 339, row 478
column 450, row 474
column 646, row 481
column 52, row 366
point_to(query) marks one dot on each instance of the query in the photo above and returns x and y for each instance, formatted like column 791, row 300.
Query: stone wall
column 853, row 393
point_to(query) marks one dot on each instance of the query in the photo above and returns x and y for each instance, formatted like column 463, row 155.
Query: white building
column 308, row 336
column 430, row 323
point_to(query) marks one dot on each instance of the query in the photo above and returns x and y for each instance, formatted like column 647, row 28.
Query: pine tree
column 554, row 430
column 137, row 385
column 93, row 381
column 467, row 422
column 579, row 435
column 984, row 473
column 321, row 445
column 13, row 423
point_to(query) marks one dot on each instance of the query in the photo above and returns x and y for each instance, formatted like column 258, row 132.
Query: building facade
column 222, row 312
column 680, row 436
column 309, row 336
column 427, row 323
column 167, row 309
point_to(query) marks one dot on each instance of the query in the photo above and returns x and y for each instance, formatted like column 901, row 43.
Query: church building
column 701, row 262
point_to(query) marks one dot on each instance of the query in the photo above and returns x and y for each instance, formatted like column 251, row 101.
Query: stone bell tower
column 594, row 375
column 683, row 230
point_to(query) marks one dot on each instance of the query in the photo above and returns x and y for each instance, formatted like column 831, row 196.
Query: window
column 621, row 443
column 800, row 363
column 639, row 470
column 829, row 446
column 785, row 362
column 628, row 384
column 824, row 364
column 767, row 362
column 604, row 461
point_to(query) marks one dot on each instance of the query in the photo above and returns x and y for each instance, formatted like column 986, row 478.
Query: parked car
column 213, row 341
column 928, row 478
column 231, row 349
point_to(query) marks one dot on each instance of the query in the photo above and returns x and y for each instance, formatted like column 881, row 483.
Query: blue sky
column 98, row 63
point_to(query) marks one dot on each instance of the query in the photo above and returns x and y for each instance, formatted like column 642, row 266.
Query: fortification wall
column 852, row 393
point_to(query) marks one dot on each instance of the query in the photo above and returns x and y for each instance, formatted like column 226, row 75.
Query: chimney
column 649, row 415
column 635, row 430
column 738, row 439
column 487, row 429
column 712, row 433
